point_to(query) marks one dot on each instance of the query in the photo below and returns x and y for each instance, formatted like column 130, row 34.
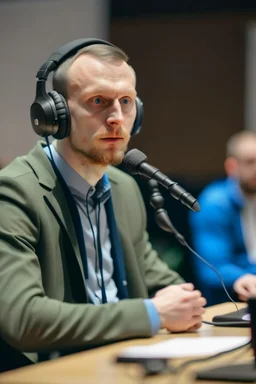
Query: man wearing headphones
column 76, row 267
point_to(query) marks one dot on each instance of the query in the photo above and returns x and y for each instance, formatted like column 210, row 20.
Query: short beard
column 108, row 158
column 99, row 157
column 247, row 189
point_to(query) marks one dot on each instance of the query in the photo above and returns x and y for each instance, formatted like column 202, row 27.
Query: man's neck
column 88, row 170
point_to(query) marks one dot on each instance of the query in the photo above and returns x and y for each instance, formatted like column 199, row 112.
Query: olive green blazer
column 41, row 268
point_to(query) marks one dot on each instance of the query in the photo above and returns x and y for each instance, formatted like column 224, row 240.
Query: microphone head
column 196, row 206
column 133, row 159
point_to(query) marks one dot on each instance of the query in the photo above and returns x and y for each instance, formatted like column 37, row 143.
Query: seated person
column 224, row 231
column 76, row 267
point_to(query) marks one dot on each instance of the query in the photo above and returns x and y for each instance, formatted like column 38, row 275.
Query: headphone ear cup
column 43, row 115
column 63, row 115
column 137, row 125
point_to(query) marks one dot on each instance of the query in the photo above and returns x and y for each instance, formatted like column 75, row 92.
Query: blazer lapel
column 54, row 196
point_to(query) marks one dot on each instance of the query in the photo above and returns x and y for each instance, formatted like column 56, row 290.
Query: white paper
column 186, row 346
column 247, row 317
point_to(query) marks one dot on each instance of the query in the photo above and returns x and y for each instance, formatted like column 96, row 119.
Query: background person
column 224, row 231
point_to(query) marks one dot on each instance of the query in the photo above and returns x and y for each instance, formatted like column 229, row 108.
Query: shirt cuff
column 153, row 316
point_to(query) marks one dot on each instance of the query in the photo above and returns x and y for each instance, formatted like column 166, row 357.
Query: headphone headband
column 63, row 53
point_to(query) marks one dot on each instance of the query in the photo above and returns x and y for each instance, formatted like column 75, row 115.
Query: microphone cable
column 164, row 222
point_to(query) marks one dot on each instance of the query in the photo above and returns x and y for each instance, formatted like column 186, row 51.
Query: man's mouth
column 111, row 139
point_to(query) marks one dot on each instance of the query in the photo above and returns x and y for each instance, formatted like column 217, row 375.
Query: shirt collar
column 78, row 186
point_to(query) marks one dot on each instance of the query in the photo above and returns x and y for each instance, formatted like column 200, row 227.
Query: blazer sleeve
column 31, row 321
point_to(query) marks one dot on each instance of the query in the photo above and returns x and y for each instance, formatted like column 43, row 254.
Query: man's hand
column 245, row 286
column 180, row 307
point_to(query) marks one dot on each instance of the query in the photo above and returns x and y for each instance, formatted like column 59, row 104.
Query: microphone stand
column 238, row 372
column 164, row 222
column 161, row 215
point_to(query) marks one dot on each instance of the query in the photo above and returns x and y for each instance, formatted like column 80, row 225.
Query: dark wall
column 135, row 8
column 190, row 72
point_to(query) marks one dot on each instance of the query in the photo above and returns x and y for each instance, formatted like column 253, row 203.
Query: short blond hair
column 101, row 51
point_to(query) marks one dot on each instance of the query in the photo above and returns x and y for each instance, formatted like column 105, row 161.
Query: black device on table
column 236, row 372
column 238, row 318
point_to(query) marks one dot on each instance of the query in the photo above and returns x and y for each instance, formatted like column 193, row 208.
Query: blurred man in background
column 224, row 231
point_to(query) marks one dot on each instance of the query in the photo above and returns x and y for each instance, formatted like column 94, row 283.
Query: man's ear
column 231, row 166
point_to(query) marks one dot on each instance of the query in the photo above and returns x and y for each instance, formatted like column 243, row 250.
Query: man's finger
column 187, row 286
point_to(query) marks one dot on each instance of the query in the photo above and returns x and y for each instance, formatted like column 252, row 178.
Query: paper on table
column 186, row 346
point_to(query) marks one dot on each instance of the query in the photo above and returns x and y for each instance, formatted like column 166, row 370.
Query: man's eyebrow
column 107, row 92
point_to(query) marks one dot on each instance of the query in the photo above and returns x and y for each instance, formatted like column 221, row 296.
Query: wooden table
column 98, row 366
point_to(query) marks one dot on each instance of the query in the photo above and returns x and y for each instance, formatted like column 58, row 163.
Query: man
column 76, row 271
column 224, row 230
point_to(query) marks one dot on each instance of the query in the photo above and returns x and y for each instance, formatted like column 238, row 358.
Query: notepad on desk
column 185, row 347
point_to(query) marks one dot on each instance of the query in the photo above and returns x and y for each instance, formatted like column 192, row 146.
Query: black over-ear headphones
column 49, row 112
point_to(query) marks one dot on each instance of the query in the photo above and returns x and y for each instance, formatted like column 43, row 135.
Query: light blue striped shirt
column 82, row 192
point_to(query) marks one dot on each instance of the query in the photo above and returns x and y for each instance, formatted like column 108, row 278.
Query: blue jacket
column 217, row 236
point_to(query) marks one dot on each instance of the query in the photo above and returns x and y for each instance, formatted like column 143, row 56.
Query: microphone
column 136, row 163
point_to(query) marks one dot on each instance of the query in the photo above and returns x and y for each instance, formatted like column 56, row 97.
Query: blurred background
column 196, row 70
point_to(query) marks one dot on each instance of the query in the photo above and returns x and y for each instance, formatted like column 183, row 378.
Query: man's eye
column 98, row 100
column 125, row 101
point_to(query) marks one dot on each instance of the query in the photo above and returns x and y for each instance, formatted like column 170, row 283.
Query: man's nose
column 115, row 117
